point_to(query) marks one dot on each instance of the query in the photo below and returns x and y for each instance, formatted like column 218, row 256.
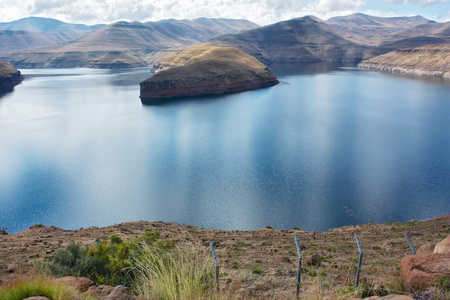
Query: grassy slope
column 6, row 70
column 435, row 58
column 259, row 263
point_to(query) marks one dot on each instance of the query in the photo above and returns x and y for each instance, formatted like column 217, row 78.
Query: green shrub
column 109, row 262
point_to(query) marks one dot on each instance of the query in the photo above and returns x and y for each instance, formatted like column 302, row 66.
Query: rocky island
column 9, row 77
column 205, row 70
column 431, row 60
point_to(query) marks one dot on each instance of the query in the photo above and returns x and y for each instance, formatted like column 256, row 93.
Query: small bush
column 108, row 262
column 258, row 270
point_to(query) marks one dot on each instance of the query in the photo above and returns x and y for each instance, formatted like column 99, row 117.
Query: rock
column 82, row 284
column 100, row 291
column 390, row 297
column 427, row 248
column 420, row 271
column 11, row 268
column 37, row 298
column 312, row 260
column 120, row 292
column 205, row 70
column 443, row 246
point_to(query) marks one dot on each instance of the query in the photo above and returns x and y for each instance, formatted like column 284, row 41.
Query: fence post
column 359, row 260
column 299, row 271
column 410, row 244
column 216, row 262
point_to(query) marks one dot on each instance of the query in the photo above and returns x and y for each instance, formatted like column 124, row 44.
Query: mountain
column 430, row 60
column 35, row 32
column 14, row 40
column 425, row 34
column 37, row 24
column 128, row 42
column 301, row 39
column 369, row 30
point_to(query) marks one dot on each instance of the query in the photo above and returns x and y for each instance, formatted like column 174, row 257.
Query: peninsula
column 205, row 70
column 9, row 76
column 431, row 60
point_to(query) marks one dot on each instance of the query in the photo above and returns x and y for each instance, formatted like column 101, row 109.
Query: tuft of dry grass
column 37, row 285
column 182, row 273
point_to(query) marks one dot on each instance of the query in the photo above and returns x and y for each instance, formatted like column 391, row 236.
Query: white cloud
column 423, row 3
column 259, row 11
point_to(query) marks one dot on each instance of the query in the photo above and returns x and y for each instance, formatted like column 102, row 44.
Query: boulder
column 443, row 246
column 312, row 260
column 37, row 298
column 100, row 291
column 120, row 292
column 390, row 297
column 427, row 248
column 82, row 284
column 420, row 271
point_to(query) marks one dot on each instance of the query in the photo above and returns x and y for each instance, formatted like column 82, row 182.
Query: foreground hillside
column 433, row 60
column 259, row 263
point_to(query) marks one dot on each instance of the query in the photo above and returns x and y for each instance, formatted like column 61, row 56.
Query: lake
column 327, row 147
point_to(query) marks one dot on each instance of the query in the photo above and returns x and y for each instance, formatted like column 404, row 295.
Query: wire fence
column 256, row 265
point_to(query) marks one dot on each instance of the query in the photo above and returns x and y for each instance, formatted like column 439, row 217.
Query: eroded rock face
column 206, row 70
column 421, row 270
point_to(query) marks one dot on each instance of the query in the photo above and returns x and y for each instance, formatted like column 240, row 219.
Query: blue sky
column 262, row 12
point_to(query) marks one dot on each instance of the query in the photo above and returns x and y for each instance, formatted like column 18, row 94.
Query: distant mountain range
column 127, row 44
column 36, row 32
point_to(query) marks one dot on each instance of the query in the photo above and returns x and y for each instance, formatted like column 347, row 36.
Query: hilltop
column 259, row 263
column 205, row 70
column 9, row 77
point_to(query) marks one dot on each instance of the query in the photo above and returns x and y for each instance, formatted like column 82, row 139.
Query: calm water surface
column 326, row 147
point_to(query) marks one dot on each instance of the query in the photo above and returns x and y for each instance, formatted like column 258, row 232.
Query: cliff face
column 9, row 77
column 431, row 60
column 205, row 70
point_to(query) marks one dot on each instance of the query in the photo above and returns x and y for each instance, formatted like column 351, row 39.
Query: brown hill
column 205, row 70
column 129, row 41
column 303, row 39
column 431, row 60
column 9, row 77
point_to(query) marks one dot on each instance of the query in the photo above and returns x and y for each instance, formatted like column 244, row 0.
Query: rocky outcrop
column 9, row 77
column 424, row 61
column 419, row 271
column 205, row 70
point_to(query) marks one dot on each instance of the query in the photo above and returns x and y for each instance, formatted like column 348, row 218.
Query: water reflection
column 337, row 148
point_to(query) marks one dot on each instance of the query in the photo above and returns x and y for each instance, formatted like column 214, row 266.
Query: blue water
column 326, row 147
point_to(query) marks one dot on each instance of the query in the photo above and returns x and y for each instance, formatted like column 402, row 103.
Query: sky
column 262, row 12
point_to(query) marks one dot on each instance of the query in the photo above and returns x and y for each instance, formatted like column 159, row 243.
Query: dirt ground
column 259, row 263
